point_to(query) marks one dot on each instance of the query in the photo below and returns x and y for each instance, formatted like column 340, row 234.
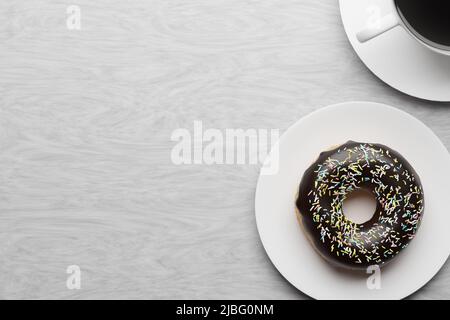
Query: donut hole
column 360, row 206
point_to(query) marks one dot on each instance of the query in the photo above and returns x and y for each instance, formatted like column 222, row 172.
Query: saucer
column 283, row 238
column 395, row 56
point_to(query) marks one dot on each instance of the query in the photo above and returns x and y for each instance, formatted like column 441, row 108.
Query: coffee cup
column 427, row 21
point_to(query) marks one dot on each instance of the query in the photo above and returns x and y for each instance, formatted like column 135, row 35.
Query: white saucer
column 396, row 57
column 285, row 241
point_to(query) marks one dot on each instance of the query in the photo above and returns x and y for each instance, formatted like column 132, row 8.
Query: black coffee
column 430, row 19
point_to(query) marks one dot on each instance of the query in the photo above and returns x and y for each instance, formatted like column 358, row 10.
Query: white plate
column 396, row 57
column 285, row 241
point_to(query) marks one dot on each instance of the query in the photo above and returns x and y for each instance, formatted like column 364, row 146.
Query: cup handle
column 381, row 26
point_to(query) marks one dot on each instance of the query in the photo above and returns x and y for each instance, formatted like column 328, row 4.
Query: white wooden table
column 86, row 117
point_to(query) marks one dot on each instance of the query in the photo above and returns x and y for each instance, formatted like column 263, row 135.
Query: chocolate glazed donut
column 328, row 182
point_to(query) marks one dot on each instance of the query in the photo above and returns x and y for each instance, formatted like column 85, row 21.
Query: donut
column 325, row 186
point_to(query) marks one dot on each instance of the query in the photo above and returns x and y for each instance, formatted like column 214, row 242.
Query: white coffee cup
column 395, row 19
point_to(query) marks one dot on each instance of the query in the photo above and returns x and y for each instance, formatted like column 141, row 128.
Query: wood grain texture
column 85, row 124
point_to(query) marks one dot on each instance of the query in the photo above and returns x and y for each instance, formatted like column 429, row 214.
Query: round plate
column 396, row 57
column 284, row 239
